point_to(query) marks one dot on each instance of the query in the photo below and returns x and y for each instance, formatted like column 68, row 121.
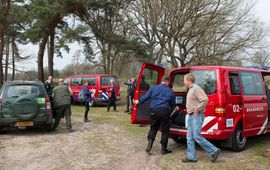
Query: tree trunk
column 2, row 45
column 7, row 58
column 13, row 57
column 51, row 54
column 42, row 46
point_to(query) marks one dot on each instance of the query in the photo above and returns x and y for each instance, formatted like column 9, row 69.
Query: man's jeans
column 194, row 134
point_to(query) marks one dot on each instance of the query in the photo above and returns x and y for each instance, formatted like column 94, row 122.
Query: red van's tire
column 238, row 141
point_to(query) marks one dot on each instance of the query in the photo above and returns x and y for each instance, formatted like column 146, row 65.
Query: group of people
column 163, row 102
column 61, row 99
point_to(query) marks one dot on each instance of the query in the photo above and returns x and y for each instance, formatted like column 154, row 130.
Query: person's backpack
column 81, row 96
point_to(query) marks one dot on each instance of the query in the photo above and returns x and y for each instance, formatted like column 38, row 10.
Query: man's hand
column 135, row 101
column 195, row 113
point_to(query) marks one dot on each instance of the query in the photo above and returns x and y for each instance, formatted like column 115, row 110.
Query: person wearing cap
column 62, row 104
column 162, row 101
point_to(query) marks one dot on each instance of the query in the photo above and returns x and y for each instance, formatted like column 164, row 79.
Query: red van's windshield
column 204, row 78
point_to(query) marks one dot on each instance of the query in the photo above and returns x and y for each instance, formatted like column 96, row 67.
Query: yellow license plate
column 24, row 124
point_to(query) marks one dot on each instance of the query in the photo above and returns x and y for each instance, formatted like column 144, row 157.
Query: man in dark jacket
column 49, row 86
column 162, row 101
column 62, row 104
column 131, row 86
column 112, row 96
column 88, row 99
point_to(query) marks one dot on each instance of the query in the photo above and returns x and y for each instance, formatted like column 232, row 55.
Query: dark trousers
column 111, row 101
column 129, row 102
column 61, row 111
column 159, row 118
column 86, row 107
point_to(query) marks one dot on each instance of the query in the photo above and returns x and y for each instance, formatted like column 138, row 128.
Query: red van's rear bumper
column 216, row 135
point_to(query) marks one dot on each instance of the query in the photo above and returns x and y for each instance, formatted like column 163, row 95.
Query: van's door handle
column 263, row 98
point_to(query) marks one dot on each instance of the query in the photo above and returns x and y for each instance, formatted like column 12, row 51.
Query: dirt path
column 98, row 145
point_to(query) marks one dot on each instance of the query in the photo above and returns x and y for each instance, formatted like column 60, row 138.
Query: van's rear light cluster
column 48, row 106
column 220, row 111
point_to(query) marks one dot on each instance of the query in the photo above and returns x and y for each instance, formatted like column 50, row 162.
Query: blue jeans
column 194, row 134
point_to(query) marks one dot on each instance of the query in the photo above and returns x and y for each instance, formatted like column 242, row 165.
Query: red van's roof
column 217, row 67
column 86, row 75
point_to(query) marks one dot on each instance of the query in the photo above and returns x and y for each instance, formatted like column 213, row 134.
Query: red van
column 238, row 107
column 99, row 82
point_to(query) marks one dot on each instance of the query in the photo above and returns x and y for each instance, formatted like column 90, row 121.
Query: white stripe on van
column 207, row 120
column 211, row 130
column 263, row 126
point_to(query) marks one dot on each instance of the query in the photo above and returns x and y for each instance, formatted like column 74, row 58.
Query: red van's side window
column 234, row 83
column 76, row 82
column 252, row 83
column 91, row 80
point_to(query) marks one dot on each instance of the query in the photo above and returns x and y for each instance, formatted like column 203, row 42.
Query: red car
column 238, row 107
column 98, row 82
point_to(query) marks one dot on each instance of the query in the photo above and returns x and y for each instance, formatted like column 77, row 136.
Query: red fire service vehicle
column 238, row 107
column 98, row 82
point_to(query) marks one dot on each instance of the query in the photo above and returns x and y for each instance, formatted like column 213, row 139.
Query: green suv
column 24, row 104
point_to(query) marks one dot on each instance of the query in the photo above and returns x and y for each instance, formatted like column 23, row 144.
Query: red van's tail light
column 219, row 111
column 48, row 106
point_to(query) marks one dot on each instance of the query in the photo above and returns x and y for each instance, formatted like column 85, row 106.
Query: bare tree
column 198, row 32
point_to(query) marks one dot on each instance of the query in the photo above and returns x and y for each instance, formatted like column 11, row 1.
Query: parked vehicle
column 238, row 107
column 98, row 82
column 25, row 103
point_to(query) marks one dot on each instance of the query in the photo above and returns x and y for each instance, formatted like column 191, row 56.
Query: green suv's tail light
column 48, row 106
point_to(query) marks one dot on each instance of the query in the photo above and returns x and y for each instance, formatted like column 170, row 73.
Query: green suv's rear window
column 22, row 90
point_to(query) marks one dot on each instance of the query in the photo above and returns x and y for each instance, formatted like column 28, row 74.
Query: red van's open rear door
column 149, row 75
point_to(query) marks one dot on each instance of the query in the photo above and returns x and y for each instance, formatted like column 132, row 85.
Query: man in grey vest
column 62, row 103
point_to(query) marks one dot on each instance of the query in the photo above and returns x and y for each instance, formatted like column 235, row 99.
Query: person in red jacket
column 112, row 90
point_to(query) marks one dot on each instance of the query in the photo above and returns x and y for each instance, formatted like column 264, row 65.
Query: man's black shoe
column 215, row 155
column 164, row 150
column 186, row 160
column 126, row 111
column 149, row 146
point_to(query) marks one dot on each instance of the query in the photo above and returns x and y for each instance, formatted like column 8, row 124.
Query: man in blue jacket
column 162, row 101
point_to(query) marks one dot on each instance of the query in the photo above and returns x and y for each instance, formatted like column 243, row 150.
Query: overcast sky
column 261, row 11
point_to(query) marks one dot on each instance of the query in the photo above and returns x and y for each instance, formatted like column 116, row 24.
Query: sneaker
column 186, row 160
column 215, row 155
column 86, row 120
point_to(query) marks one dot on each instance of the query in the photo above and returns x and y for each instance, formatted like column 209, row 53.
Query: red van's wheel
column 239, row 142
